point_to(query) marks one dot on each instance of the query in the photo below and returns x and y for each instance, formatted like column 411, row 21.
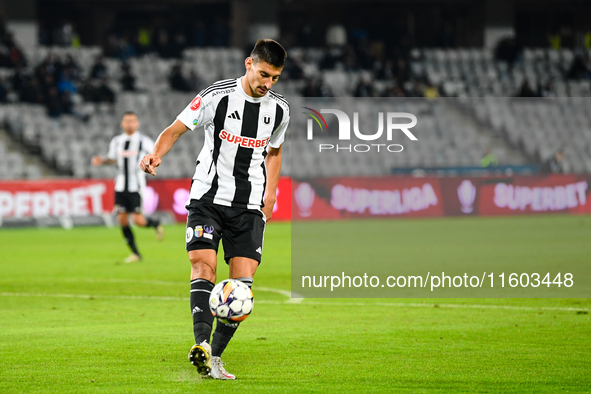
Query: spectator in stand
column 53, row 103
column 99, row 70
column 144, row 40
column 199, row 33
column 507, row 50
column 430, row 91
column 489, row 159
column 178, row 45
column 547, row 90
column 526, row 90
column 127, row 79
column 554, row 164
column 3, row 90
column 66, row 83
column 292, row 70
column 365, row 87
column 194, row 81
column 580, row 68
column 316, row 88
column 105, row 93
column 163, row 45
column 221, row 33
column 177, row 81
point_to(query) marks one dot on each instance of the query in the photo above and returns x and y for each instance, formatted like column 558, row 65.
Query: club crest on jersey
column 266, row 118
column 198, row 231
column 196, row 103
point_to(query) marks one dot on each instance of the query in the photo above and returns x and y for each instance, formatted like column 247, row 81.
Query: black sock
column 224, row 332
column 202, row 317
column 152, row 222
column 129, row 238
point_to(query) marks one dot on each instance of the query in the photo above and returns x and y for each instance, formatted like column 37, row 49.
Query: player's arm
column 273, row 163
column 100, row 160
column 163, row 144
column 109, row 159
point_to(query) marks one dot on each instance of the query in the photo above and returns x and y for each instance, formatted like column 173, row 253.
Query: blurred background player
column 234, row 187
column 125, row 150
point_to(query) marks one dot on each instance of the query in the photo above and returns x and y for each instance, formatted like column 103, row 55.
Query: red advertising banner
column 172, row 195
column 519, row 195
column 343, row 198
column 340, row 198
column 51, row 198
column 324, row 198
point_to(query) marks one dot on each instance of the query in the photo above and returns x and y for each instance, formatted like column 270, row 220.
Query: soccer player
column 125, row 150
column 234, row 187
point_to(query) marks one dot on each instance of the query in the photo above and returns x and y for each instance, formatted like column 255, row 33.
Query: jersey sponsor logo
column 128, row 153
column 195, row 121
column 196, row 103
column 245, row 142
column 266, row 118
column 189, row 234
column 222, row 92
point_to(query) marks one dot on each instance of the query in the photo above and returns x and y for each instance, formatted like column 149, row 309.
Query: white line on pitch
column 308, row 302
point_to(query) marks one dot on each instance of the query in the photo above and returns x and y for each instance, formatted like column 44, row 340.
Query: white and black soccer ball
column 231, row 301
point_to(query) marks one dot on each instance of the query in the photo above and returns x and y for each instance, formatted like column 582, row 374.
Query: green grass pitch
column 74, row 319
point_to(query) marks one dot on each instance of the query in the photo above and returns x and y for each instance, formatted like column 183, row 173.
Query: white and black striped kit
column 238, row 130
column 127, row 151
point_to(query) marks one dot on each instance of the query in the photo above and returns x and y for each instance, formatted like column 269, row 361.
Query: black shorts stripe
column 250, row 125
column 215, row 87
column 278, row 118
column 126, row 167
column 218, row 121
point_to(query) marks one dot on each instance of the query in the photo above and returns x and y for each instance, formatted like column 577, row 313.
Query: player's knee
column 139, row 220
column 201, row 269
column 123, row 220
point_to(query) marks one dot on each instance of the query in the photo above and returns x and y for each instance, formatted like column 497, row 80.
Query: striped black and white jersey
column 127, row 151
column 238, row 130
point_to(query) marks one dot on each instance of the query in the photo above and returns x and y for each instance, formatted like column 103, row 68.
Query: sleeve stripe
column 278, row 97
column 218, row 86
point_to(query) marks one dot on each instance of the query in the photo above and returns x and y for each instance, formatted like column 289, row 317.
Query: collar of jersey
column 137, row 132
column 246, row 96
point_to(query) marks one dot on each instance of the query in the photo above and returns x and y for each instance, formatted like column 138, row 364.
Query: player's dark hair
column 129, row 113
column 269, row 51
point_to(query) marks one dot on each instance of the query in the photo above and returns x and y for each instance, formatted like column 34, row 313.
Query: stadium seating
column 452, row 132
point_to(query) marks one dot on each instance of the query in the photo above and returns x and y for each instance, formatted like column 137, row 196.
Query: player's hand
column 97, row 161
column 268, row 208
column 149, row 164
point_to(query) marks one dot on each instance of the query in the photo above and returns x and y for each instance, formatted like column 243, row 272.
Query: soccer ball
column 231, row 301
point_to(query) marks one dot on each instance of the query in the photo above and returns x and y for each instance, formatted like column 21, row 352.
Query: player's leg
column 123, row 219
column 243, row 242
column 135, row 207
column 242, row 269
column 203, row 276
column 122, row 206
column 202, row 238
column 141, row 221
